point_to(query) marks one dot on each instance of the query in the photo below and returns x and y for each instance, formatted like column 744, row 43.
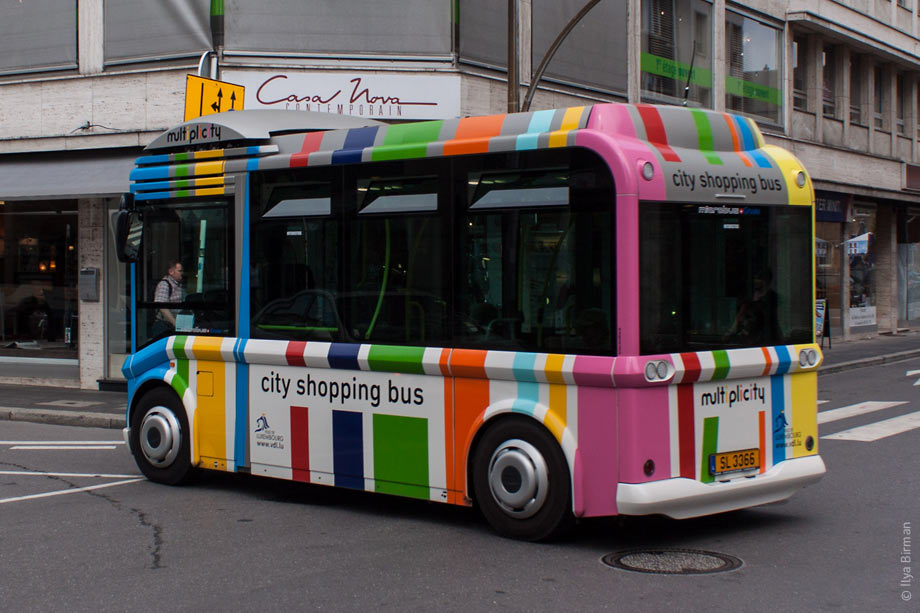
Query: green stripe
column 217, row 8
column 401, row 455
column 710, row 446
column 179, row 347
column 408, row 140
column 704, row 130
column 388, row 358
column 183, row 170
column 722, row 364
column 181, row 157
column 180, row 381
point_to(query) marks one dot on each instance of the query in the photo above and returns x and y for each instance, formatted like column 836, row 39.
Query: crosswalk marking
column 852, row 410
column 878, row 430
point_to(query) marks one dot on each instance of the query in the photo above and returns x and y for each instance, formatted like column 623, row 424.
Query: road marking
column 71, row 491
column 75, row 404
column 62, row 442
column 60, row 447
column 823, row 401
column 32, row 473
column 879, row 429
column 852, row 410
column 913, row 373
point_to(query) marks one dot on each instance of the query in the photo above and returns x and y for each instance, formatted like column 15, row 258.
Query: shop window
column 753, row 72
column 860, row 240
column 38, row 278
column 676, row 37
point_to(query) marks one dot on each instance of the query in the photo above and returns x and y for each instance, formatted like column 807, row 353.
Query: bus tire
column 160, row 437
column 521, row 481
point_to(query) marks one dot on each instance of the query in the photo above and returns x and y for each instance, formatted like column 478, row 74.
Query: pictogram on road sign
column 207, row 96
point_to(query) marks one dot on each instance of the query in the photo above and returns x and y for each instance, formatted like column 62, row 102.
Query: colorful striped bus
column 552, row 315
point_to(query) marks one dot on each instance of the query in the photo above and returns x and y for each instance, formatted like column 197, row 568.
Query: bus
column 551, row 315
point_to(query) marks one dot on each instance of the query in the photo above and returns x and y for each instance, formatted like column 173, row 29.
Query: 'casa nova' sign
column 364, row 95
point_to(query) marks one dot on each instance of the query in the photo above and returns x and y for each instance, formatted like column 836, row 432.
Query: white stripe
column 879, row 430
column 60, row 447
column 28, row 473
column 62, row 442
column 852, row 410
column 73, row 491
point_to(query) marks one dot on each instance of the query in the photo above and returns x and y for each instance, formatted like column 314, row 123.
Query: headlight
column 658, row 370
column 808, row 357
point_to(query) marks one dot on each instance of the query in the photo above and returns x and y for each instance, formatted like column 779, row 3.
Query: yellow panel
column 210, row 416
column 804, row 391
column 208, row 168
column 790, row 167
column 207, row 96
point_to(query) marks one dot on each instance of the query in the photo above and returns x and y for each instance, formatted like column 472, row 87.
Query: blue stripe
column 778, row 400
column 540, row 122
column 348, row 449
column 344, row 356
column 149, row 174
column 355, row 142
column 523, row 366
column 762, row 160
column 785, row 359
column 252, row 164
column 239, row 350
column 747, row 137
column 152, row 159
column 240, row 449
column 152, row 195
column 521, row 405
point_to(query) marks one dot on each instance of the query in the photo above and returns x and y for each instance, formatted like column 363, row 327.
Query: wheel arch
column 507, row 411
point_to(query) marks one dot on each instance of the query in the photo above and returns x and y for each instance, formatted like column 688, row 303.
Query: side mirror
column 129, row 229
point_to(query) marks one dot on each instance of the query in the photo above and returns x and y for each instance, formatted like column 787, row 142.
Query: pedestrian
column 168, row 290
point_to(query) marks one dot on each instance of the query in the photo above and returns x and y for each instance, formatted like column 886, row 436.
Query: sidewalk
column 76, row 407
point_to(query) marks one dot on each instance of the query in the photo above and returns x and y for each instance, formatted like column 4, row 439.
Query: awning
column 76, row 174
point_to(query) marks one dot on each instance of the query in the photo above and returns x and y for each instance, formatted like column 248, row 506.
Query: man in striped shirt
column 169, row 289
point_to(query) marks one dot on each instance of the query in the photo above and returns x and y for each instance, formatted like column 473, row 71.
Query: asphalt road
column 71, row 540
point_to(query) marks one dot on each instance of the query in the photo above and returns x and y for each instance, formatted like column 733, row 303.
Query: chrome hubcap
column 518, row 478
column 160, row 437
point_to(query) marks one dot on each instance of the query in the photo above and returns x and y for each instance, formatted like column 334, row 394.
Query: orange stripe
column 472, row 399
column 768, row 360
column 473, row 134
column 450, row 465
column 443, row 362
column 553, row 368
column 468, row 363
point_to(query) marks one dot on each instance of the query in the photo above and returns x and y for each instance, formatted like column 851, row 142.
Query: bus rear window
column 722, row 277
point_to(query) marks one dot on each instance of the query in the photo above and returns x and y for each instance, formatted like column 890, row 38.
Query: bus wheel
column 521, row 481
column 160, row 437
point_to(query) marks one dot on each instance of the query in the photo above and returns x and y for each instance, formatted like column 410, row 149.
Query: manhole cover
column 672, row 561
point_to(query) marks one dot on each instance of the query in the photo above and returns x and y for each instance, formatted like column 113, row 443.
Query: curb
column 882, row 359
column 63, row 418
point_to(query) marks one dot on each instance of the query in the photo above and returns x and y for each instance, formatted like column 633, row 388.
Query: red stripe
column 300, row 443
column 311, row 143
column 294, row 353
column 686, row 432
column 654, row 131
column 692, row 367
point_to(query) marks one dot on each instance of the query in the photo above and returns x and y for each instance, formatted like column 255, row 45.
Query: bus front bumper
column 681, row 498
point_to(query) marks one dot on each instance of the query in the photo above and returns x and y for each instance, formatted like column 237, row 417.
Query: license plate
column 734, row 461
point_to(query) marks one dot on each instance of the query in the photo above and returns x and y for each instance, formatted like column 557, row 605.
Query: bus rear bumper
column 681, row 498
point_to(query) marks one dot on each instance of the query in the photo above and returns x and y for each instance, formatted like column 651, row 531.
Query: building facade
column 86, row 84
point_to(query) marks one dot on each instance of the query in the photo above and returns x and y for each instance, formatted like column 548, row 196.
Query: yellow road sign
column 207, row 96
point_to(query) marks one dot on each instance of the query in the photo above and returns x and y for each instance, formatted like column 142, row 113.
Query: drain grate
column 672, row 561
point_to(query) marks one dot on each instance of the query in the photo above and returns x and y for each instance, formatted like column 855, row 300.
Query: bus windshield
column 185, row 270
column 722, row 277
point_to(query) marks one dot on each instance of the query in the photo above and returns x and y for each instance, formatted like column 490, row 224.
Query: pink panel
column 596, row 466
column 644, row 434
